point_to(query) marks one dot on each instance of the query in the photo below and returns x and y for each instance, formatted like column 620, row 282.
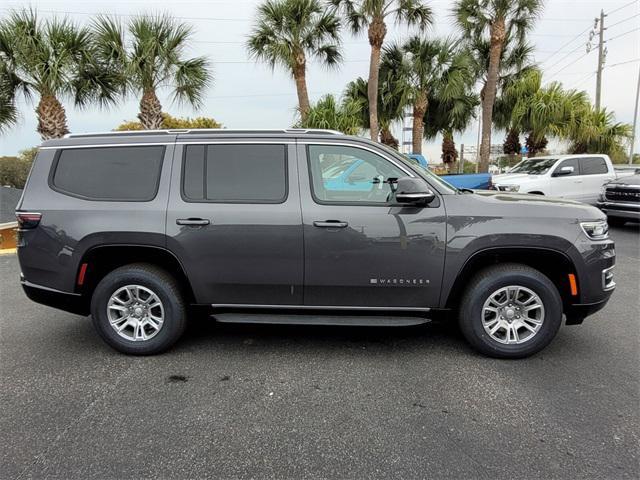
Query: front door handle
column 330, row 224
column 193, row 222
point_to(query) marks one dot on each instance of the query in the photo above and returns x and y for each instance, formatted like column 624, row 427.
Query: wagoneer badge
column 399, row 281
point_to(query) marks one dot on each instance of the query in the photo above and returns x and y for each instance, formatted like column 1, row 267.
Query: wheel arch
column 102, row 259
column 554, row 264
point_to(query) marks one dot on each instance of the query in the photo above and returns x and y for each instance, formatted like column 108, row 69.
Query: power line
column 567, row 44
column 623, row 63
column 625, row 20
column 623, row 34
column 568, row 54
column 620, row 8
column 569, row 64
column 60, row 12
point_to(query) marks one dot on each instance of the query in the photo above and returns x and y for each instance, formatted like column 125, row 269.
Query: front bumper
column 620, row 209
column 594, row 262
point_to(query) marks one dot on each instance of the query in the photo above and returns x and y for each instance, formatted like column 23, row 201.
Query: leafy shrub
column 169, row 122
column 15, row 170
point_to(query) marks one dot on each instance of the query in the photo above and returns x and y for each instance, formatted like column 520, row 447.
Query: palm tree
column 498, row 23
column 289, row 31
column 329, row 113
column 152, row 58
column 391, row 103
column 448, row 114
column 541, row 111
column 52, row 60
column 8, row 110
column 595, row 131
column 371, row 14
column 424, row 68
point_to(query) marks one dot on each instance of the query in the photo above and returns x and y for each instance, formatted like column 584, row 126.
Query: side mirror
column 413, row 191
column 563, row 171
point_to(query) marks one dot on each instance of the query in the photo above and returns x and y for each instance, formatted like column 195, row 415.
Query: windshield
column 534, row 166
column 418, row 169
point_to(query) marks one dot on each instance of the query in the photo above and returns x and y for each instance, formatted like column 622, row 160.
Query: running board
column 328, row 319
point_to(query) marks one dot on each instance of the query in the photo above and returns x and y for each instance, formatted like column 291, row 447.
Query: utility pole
column 602, row 53
column 635, row 120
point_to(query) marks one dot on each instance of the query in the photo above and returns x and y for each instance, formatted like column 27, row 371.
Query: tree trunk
column 449, row 152
column 419, row 109
column 498, row 35
column 377, row 32
column 387, row 138
column 52, row 119
column 300, row 76
column 535, row 145
column 150, row 115
column 511, row 145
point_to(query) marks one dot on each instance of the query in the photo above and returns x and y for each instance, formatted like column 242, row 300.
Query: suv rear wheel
column 510, row 311
column 138, row 309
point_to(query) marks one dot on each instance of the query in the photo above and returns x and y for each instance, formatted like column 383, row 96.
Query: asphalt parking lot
column 241, row 401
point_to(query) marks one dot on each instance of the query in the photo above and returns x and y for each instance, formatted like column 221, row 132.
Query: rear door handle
column 193, row 222
column 330, row 224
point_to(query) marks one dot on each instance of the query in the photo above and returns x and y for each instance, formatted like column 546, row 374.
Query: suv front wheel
column 510, row 311
column 138, row 309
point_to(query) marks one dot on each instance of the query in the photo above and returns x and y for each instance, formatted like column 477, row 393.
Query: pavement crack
column 41, row 457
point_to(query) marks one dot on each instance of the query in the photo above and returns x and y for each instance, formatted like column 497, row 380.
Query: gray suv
column 139, row 229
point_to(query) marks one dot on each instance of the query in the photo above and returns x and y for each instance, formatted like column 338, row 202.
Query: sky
column 249, row 95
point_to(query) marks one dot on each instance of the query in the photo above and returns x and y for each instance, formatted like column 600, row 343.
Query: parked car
column 476, row 181
column 620, row 200
column 138, row 228
column 574, row 177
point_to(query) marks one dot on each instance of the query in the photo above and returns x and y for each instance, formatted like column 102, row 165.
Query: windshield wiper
column 465, row 190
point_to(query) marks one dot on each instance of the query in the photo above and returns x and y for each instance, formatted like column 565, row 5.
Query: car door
column 360, row 250
column 595, row 173
column 567, row 185
column 234, row 220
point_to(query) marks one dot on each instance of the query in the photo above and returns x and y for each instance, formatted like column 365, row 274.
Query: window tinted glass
column 593, row 166
column 193, row 180
column 110, row 173
column 571, row 162
column 348, row 174
column 235, row 173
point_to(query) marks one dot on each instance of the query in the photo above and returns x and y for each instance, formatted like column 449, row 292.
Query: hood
column 628, row 180
column 506, row 178
column 526, row 205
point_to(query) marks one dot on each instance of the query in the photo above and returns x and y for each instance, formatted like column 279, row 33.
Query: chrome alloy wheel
column 513, row 315
column 135, row 313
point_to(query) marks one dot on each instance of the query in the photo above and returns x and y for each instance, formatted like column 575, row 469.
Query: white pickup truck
column 575, row 177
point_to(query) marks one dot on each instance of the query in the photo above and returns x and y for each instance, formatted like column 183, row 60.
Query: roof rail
column 184, row 131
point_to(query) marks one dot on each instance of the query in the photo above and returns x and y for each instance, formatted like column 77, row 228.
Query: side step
column 308, row 319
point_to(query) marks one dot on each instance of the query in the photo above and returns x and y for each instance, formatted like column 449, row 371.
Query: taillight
column 28, row 220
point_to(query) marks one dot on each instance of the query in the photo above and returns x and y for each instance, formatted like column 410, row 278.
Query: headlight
column 510, row 188
column 595, row 230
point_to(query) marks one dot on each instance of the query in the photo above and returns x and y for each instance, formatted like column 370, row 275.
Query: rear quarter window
column 109, row 173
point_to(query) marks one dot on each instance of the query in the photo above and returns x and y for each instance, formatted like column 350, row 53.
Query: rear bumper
column 69, row 302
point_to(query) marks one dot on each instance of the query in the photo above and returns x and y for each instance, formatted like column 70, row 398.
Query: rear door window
column 593, row 166
column 235, row 173
column 109, row 173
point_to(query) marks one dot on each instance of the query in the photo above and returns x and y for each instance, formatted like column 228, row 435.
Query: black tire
column 163, row 286
column 490, row 280
column 616, row 221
